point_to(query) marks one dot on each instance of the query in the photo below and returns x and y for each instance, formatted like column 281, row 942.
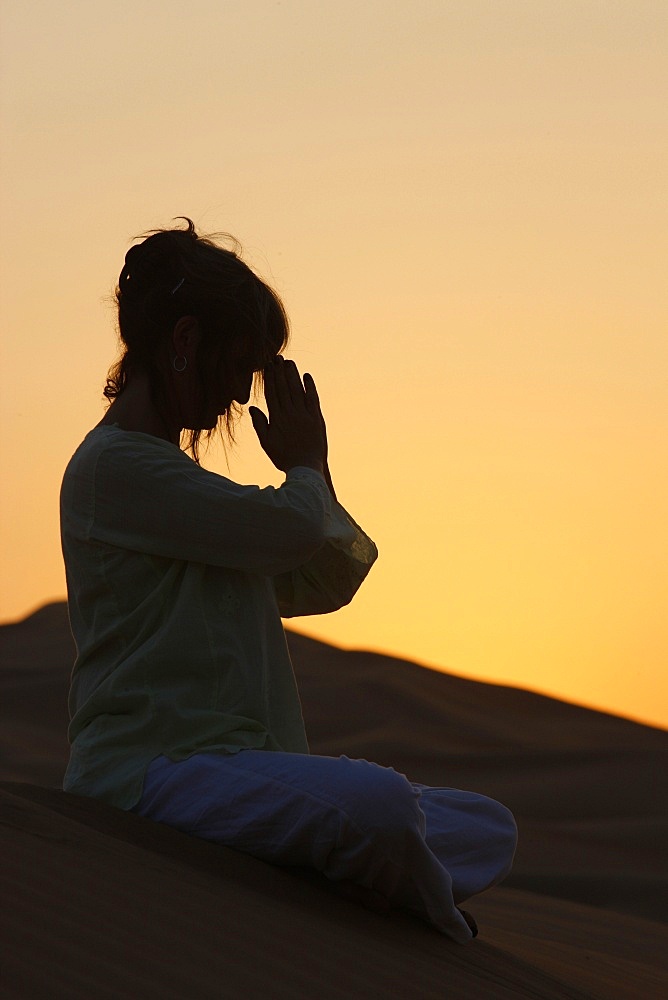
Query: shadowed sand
column 96, row 901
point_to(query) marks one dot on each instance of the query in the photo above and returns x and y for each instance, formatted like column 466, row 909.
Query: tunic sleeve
column 157, row 501
column 330, row 578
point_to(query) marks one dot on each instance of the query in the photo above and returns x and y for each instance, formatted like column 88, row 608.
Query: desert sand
column 97, row 902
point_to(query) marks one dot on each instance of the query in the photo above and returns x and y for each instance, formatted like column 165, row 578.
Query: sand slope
column 97, row 901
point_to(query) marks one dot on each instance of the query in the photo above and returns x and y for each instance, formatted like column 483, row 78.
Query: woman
column 183, row 702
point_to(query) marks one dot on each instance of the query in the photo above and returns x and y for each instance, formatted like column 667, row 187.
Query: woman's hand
column 295, row 432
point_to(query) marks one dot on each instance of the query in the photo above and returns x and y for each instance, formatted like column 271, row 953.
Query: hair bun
column 134, row 253
column 146, row 265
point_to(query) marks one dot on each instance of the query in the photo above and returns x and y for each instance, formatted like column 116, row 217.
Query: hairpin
column 177, row 286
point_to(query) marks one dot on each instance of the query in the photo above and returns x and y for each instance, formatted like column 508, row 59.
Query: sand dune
column 100, row 902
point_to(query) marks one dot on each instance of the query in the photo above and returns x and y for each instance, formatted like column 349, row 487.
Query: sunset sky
column 463, row 204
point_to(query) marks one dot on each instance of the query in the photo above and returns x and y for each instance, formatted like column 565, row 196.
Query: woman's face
column 242, row 385
column 211, row 380
column 238, row 374
column 234, row 384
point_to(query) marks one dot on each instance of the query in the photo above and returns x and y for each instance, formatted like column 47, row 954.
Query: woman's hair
column 175, row 273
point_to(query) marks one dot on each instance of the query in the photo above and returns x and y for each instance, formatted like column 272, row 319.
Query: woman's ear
column 186, row 336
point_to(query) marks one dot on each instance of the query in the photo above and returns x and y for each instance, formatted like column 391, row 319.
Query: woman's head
column 190, row 310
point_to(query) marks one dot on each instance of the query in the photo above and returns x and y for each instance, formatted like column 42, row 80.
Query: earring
column 179, row 367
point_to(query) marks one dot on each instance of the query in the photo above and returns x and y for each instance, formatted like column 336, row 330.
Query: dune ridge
column 99, row 900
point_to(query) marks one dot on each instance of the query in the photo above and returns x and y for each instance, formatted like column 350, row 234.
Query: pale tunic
column 177, row 580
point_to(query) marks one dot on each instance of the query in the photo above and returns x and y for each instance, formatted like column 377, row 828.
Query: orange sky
column 463, row 205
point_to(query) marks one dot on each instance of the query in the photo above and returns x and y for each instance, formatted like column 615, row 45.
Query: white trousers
column 424, row 849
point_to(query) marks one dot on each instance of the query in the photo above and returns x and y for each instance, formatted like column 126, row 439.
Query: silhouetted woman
column 183, row 701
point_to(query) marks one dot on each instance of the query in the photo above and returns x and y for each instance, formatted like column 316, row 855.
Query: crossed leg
column 360, row 824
